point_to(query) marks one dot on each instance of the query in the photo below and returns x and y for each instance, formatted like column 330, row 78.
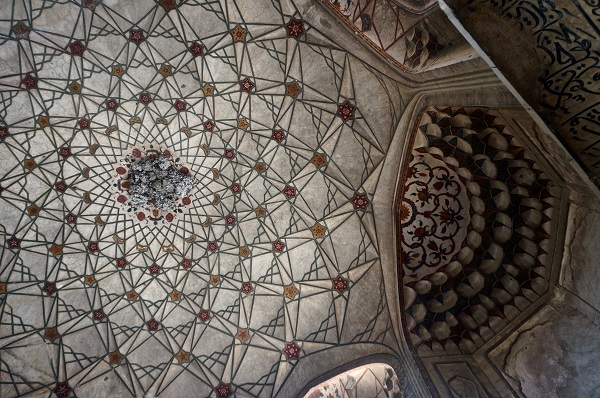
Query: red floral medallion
column 360, row 201
column 196, row 49
column 49, row 288
column 223, row 390
column 71, row 218
column 14, row 243
column 291, row 351
column 99, row 314
column 153, row 325
column 340, row 284
column 65, row 152
column 247, row 85
column 278, row 136
column 180, row 105
column 4, row 133
column 61, row 186
column 294, row 28
column 204, row 315
column 136, row 36
column 93, row 247
column 229, row 154
column 246, row 288
column 154, row 269
column 29, row 82
column 83, row 123
column 186, row 263
column 212, row 246
column 289, row 192
column 209, row 125
column 62, row 390
column 278, row 245
column 236, row 188
column 121, row 262
column 230, row 220
column 346, row 110
column 77, row 48
column 145, row 98
column 112, row 104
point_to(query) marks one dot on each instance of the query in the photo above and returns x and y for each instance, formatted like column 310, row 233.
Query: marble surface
column 555, row 354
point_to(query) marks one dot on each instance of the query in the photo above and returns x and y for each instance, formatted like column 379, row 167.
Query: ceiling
column 273, row 257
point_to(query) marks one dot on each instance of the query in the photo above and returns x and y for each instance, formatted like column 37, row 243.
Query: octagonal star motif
column 62, row 390
column 278, row 245
column 98, row 314
column 246, row 288
column 136, row 36
column 153, row 325
column 204, row 315
column 294, row 28
column 292, row 350
column 76, row 48
column 360, row 201
column 340, row 284
column 346, row 110
column 246, row 85
column 196, row 49
column 29, row 82
column 223, row 390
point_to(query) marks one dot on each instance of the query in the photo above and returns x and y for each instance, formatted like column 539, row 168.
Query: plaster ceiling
column 272, row 257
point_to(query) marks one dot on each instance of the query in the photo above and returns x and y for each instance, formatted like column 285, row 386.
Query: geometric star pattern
column 274, row 248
